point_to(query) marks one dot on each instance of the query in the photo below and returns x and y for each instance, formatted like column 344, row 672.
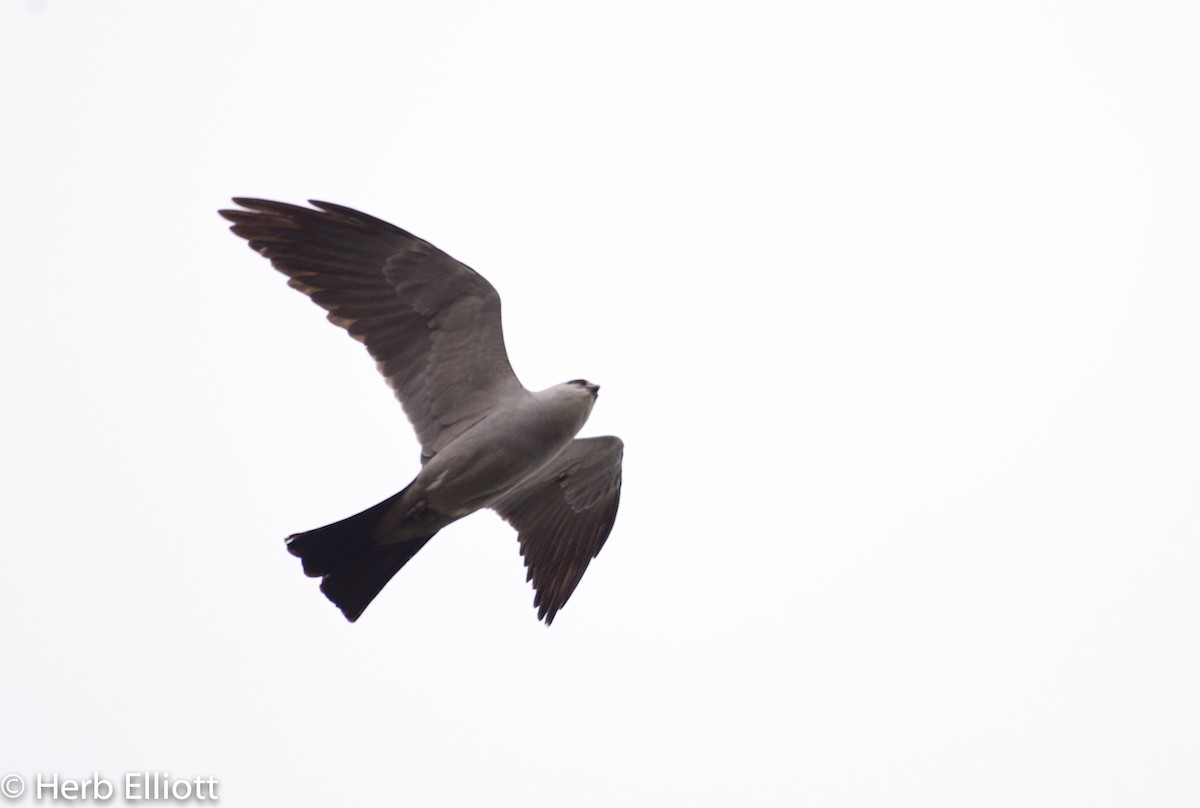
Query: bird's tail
column 347, row 556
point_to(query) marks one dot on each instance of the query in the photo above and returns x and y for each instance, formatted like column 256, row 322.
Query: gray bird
column 432, row 325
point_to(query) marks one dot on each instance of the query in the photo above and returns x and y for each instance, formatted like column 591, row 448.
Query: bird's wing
column 563, row 514
column 431, row 323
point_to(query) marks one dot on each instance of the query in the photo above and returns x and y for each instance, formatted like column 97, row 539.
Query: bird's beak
column 594, row 389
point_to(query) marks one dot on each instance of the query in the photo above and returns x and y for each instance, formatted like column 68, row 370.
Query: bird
column 432, row 325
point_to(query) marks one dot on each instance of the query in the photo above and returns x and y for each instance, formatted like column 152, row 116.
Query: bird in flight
column 432, row 324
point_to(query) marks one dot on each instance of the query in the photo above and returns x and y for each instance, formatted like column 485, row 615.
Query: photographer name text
column 132, row 787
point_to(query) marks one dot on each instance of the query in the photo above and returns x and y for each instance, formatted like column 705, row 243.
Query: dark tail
column 352, row 565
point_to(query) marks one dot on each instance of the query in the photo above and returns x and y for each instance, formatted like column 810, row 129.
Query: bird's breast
column 496, row 454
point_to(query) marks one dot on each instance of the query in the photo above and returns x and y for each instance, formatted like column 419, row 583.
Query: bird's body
column 433, row 327
column 508, row 445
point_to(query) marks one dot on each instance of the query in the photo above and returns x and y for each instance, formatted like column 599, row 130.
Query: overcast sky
column 895, row 306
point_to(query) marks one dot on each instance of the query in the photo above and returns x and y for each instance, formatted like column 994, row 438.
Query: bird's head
column 576, row 396
column 592, row 389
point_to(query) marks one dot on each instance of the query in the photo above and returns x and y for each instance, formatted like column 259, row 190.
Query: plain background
column 894, row 305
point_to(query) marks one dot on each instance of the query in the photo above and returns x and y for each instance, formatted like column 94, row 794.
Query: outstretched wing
column 563, row 514
column 431, row 323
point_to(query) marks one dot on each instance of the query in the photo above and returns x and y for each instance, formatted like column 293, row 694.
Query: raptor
column 432, row 325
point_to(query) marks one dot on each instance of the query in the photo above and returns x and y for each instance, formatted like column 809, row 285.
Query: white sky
column 894, row 305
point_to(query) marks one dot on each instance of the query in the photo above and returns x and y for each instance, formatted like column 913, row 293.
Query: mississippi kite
column 432, row 325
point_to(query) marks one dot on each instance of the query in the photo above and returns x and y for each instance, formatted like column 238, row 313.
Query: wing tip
column 253, row 202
